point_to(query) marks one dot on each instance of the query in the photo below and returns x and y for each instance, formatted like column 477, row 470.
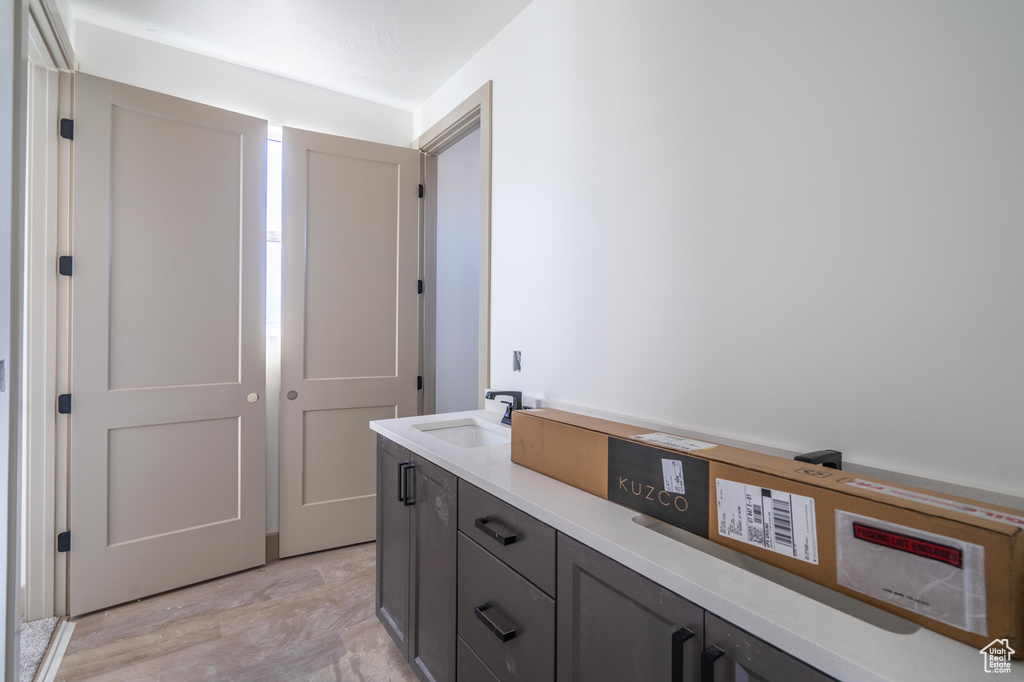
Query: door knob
column 253, row 397
column 292, row 395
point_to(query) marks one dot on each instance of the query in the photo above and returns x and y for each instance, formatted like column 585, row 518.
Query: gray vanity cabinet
column 417, row 520
column 393, row 542
column 467, row 587
column 614, row 624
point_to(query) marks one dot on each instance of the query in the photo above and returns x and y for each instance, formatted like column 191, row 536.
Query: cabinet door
column 735, row 655
column 614, row 624
column 433, row 493
column 393, row 541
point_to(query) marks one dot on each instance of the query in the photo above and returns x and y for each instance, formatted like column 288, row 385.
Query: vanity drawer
column 507, row 621
column 469, row 666
column 515, row 537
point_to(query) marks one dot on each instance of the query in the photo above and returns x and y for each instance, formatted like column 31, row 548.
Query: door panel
column 168, row 457
column 194, row 461
column 351, row 335
column 326, row 475
column 186, row 332
column 349, row 328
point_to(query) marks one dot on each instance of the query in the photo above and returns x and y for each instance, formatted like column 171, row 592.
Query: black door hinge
column 421, row 191
column 64, row 541
column 419, row 286
column 419, row 383
column 64, row 403
column 67, row 128
column 64, row 265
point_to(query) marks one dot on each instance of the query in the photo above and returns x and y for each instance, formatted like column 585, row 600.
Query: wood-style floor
column 303, row 618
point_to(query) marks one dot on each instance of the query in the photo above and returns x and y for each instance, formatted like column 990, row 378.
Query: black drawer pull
column 679, row 638
column 707, row 663
column 408, row 490
column 503, row 635
column 401, row 481
column 481, row 524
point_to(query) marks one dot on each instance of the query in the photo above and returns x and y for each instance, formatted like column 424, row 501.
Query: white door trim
column 47, row 20
column 46, row 349
column 474, row 112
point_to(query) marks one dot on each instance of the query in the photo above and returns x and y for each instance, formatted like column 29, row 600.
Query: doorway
column 456, row 257
column 457, row 276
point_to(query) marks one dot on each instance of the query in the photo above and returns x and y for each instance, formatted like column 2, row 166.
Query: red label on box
column 906, row 543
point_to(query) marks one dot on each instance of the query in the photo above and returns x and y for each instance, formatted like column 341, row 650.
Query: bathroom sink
column 820, row 593
column 468, row 433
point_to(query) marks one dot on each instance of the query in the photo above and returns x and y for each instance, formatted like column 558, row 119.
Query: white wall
column 458, row 276
column 283, row 102
column 793, row 223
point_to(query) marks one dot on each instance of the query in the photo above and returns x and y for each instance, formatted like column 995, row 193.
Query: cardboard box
column 950, row 564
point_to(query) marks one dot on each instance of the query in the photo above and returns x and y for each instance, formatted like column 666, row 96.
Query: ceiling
column 395, row 52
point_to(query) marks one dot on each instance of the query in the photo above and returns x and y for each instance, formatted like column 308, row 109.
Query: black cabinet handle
column 679, row 638
column 707, row 663
column 409, row 489
column 401, row 481
column 503, row 635
column 482, row 522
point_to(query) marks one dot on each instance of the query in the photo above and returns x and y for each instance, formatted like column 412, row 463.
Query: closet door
column 349, row 328
column 168, row 430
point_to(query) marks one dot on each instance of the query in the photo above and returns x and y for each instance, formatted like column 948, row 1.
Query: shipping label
column 676, row 442
column 777, row 521
column 672, row 470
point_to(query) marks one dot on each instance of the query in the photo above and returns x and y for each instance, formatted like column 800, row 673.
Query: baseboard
column 273, row 547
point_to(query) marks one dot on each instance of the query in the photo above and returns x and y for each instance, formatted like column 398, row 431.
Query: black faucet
column 516, row 404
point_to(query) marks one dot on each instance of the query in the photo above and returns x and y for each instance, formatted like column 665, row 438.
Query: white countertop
column 827, row 638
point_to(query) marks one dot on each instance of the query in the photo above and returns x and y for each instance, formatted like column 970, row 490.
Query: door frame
column 46, row 352
column 474, row 112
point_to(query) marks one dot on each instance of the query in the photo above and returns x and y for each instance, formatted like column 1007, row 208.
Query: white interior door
column 349, row 328
column 168, row 444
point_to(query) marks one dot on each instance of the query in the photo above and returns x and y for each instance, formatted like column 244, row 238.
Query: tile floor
column 302, row 618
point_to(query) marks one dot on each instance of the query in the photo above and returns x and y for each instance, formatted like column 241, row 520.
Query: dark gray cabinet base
column 417, row 520
column 614, row 624
column 392, row 543
column 608, row 623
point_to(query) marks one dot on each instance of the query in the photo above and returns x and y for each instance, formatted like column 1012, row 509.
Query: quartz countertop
column 845, row 646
